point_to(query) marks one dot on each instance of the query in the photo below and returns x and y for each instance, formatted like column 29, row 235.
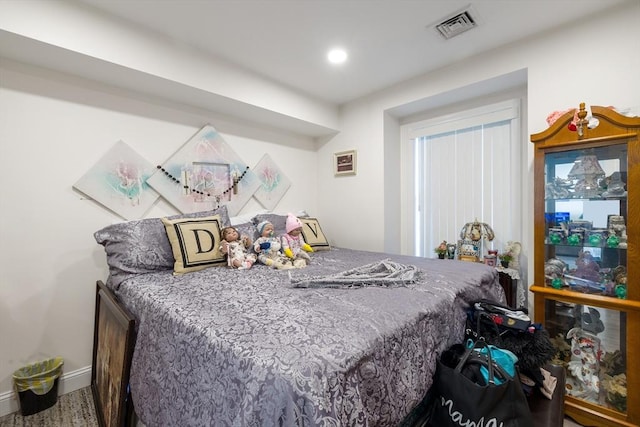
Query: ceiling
column 388, row 41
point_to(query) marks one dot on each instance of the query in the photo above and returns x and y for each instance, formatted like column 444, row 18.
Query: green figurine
column 621, row 291
column 595, row 240
column 574, row 240
column 555, row 238
column 613, row 241
column 556, row 283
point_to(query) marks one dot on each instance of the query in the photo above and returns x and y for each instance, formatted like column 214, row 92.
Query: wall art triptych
column 201, row 175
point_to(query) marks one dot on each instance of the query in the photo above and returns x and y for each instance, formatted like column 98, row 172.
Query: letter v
column 313, row 227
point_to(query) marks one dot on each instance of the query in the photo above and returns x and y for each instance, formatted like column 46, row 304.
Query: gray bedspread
column 223, row 347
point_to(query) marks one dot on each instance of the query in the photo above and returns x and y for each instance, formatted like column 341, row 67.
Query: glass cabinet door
column 585, row 220
column 591, row 344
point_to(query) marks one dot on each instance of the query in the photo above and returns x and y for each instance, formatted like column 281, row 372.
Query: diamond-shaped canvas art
column 204, row 173
column 117, row 181
column 273, row 183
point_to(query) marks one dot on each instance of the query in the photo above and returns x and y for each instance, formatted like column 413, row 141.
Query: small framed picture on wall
column 344, row 163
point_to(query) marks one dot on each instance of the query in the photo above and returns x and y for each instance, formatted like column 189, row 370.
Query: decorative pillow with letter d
column 195, row 243
column 313, row 234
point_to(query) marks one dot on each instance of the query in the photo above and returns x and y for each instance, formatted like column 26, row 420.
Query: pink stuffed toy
column 293, row 244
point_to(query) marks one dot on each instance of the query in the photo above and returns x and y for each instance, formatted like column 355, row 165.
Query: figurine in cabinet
column 556, row 235
column 614, row 186
column 596, row 237
column 586, row 171
column 558, row 189
column 584, row 366
column 587, row 267
column 583, row 380
column 555, row 267
column 618, row 229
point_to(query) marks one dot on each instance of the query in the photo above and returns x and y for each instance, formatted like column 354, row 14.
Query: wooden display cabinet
column 587, row 259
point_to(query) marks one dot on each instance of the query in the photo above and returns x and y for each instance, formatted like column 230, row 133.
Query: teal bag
column 502, row 358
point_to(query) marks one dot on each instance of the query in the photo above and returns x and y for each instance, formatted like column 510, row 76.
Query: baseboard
column 68, row 382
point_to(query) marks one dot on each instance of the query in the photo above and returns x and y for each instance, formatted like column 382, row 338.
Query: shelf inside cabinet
column 591, row 199
column 584, row 247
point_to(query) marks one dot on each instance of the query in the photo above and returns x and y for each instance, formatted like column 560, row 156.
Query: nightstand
column 510, row 282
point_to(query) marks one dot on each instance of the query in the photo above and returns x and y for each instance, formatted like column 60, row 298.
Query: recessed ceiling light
column 337, row 56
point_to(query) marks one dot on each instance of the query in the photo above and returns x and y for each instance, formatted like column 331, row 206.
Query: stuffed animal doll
column 293, row 244
column 235, row 247
column 514, row 248
column 267, row 246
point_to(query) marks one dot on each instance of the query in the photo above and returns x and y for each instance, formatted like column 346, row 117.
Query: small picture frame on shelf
column 345, row 163
column 468, row 250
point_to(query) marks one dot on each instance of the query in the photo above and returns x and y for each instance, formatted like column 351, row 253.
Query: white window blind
column 465, row 167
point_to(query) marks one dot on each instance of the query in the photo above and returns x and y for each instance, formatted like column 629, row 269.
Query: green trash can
column 37, row 385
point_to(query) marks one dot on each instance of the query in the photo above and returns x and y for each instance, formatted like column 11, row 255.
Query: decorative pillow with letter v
column 195, row 243
column 313, row 234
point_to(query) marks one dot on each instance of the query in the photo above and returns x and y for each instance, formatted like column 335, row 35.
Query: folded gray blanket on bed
column 382, row 273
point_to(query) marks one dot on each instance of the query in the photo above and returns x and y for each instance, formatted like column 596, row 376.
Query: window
column 460, row 168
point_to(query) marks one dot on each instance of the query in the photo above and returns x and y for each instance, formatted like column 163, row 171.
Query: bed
column 266, row 347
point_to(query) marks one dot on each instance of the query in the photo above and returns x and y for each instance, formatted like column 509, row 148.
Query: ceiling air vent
column 455, row 25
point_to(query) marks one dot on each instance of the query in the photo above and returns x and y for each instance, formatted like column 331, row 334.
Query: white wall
column 67, row 35
column 594, row 61
column 53, row 127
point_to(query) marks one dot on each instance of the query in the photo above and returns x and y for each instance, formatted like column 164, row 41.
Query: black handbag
column 464, row 398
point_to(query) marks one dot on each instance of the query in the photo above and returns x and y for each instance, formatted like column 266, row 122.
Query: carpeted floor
column 73, row 409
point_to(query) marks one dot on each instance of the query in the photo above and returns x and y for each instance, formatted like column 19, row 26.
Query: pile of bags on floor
column 486, row 380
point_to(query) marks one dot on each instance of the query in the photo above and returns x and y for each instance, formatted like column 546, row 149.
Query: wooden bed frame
column 113, row 343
